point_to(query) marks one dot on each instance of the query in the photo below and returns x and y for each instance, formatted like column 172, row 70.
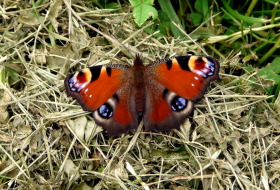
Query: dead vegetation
column 48, row 142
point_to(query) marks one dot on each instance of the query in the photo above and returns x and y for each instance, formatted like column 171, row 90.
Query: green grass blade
column 241, row 17
column 167, row 7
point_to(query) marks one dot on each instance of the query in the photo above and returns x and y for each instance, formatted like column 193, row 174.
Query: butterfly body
column 138, row 83
column 162, row 93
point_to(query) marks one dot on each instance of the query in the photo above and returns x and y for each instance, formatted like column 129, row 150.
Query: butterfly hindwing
column 105, row 91
column 178, row 82
column 117, row 115
column 164, row 109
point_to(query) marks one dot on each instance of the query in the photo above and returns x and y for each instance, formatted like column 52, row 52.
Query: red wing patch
column 160, row 110
column 122, row 114
column 184, row 83
column 187, row 76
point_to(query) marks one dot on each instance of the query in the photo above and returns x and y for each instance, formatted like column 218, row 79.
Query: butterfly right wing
column 164, row 109
column 105, row 91
column 173, row 85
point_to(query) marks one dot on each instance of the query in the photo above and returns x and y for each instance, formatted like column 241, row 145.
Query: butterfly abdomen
column 140, row 101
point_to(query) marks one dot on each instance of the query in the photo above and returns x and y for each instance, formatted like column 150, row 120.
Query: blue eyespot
column 179, row 103
column 105, row 111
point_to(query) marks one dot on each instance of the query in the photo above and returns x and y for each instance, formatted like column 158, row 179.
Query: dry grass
column 48, row 142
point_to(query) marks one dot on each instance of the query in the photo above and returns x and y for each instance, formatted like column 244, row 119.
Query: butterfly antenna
column 120, row 42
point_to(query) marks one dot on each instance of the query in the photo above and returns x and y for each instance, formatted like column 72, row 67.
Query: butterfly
column 161, row 93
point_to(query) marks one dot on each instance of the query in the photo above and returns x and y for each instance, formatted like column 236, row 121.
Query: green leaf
column 135, row 3
column 271, row 71
column 143, row 10
column 203, row 7
column 196, row 18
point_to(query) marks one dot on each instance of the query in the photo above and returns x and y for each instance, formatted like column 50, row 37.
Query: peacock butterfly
column 162, row 92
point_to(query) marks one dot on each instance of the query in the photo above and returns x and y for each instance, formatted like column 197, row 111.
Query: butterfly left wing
column 105, row 91
column 174, row 84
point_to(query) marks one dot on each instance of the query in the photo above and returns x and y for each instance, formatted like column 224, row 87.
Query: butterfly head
column 138, row 61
